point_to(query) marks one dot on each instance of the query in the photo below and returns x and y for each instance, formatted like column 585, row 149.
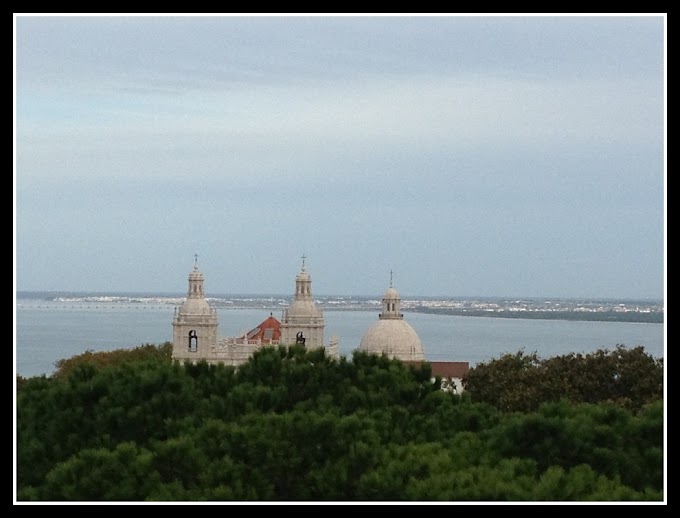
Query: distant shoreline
column 605, row 316
column 52, row 294
column 589, row 310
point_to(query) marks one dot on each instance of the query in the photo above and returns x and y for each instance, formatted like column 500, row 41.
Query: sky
column 471, row 156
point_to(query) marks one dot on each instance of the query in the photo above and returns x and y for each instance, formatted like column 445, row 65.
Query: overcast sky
column 519, row 156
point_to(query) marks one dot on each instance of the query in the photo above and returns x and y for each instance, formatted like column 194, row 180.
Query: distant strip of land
column 595, row 316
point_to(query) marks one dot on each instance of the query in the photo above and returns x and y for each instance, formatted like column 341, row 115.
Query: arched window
column 193, row 341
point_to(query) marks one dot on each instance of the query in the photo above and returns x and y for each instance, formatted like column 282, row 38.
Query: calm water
column 49, row 331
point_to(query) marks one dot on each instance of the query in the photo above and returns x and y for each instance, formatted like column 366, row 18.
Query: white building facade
column 195, row 326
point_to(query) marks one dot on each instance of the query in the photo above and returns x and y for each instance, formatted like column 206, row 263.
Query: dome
column 396, row 338
column 195, row 306
column 303, row 308
column 303, row 276
column 391, row 293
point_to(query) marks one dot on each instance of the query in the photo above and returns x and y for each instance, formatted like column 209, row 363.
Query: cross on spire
column 195, row 260
column 390, row 278
column 303, row 261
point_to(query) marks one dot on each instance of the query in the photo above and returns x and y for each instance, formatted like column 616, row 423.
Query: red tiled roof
column 450, row 369
column 267, row 330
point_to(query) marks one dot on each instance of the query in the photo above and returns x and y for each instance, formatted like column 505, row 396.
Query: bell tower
column 303, row 323
column 194, row 326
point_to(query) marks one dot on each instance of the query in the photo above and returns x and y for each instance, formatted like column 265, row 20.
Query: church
column 195, row 335
column 196, row 338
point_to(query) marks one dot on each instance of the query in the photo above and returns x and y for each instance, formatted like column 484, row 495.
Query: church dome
column 391, row 334
column 396, row 338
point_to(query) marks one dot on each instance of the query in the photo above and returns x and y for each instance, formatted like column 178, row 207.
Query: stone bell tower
column 302, row 322
column 194, row 327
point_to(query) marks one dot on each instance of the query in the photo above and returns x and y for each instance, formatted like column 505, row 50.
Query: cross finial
column 303, row 261
column 195, row 261
column 390, row 278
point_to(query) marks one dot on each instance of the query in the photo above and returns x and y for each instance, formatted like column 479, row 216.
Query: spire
column 390, row 278
column 196, row 282
column 303, row 283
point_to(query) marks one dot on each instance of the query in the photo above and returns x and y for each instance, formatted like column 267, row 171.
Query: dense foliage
column 631, row 378
column 295, row 425
column 103, row 358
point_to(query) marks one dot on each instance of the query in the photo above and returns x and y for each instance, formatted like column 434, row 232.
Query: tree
column 631, row 378
column 295, row 425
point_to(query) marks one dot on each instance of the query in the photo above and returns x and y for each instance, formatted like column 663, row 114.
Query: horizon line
column 282, row 295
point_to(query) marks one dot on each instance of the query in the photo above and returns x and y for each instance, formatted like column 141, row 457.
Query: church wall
column 313, row 334
column 205, row 341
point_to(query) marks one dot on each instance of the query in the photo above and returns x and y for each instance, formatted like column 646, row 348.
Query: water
column 47, row 331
